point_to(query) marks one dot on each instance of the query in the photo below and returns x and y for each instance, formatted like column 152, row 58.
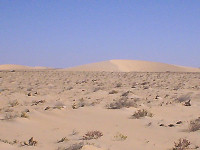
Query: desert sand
column 20, row 67
column 132, row 66
column 119, row 106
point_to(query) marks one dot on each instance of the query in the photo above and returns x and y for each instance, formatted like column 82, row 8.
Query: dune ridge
column 19, row 67
column 132, row 66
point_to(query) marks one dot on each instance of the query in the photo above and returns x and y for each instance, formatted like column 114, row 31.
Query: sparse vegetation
column 14, row 103
column 64, row 139
column 9, row 142
column 194, row 125
column 118, row 85
column 113, row 92
column 141, row 113
column 24, row 115
column 182, row 144
column 122, row 102
column 120, row 137
column 92, row 135
column 31, row 142
column 10, row 116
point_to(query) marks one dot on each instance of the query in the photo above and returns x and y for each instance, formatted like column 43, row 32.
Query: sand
column 61, row 109
column 20, row 67
column 132, row 66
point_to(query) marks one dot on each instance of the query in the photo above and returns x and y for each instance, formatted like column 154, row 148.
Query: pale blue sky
column 67, row 33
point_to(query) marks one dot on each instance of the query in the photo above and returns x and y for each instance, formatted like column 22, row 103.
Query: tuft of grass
column 121, row 103
column 182, row 144
column 141, row 113
column 92, row 135
column 120, row 137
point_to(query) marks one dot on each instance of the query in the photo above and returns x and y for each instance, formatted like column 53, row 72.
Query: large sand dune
column 19, row 67
column 132, row 66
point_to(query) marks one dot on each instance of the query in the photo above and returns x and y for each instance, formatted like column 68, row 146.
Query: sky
column 68, row 33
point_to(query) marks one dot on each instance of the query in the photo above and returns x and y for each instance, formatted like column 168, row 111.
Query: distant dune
column 132, row 66
column 19, row 67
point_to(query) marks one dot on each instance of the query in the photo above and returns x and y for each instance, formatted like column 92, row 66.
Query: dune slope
column 132, row 66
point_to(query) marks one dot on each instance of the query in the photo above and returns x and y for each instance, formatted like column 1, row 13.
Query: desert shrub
column 113, row 92
column 118, row 85
column 194, row 125
column 141, row 113
column 80, row 103
column 9, row 142
column 24, row 115
column 182, row 144
column 125, row 93
column 31, row 142
column 64, row 139
column 120, row 103
column 38, row 102
column 120, row 137
column 14, row 103
column 92, row 135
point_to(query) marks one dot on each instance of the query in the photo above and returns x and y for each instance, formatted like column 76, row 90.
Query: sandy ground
column 59, row 108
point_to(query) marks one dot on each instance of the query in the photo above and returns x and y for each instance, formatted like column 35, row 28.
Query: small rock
column 171, row 125
column 179, row 122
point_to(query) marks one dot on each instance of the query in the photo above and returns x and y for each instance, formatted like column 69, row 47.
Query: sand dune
column 19, row 67
column 132, row 66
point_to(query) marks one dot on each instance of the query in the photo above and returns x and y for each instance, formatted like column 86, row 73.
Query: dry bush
column 122, row 102
column 120, row 137
column 194, row 125
column 31, row 142
column 24, row 115
column 125, row 93
column 14, row 103
column 8, row 142
column 113, row 92
column 64, row 139
column 118, row 85
column 38, row 102
column 80, row 103
column 141, row 113
column 182, row 144
column 92, row 135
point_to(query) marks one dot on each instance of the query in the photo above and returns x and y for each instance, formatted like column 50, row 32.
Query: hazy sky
column 63, row 33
